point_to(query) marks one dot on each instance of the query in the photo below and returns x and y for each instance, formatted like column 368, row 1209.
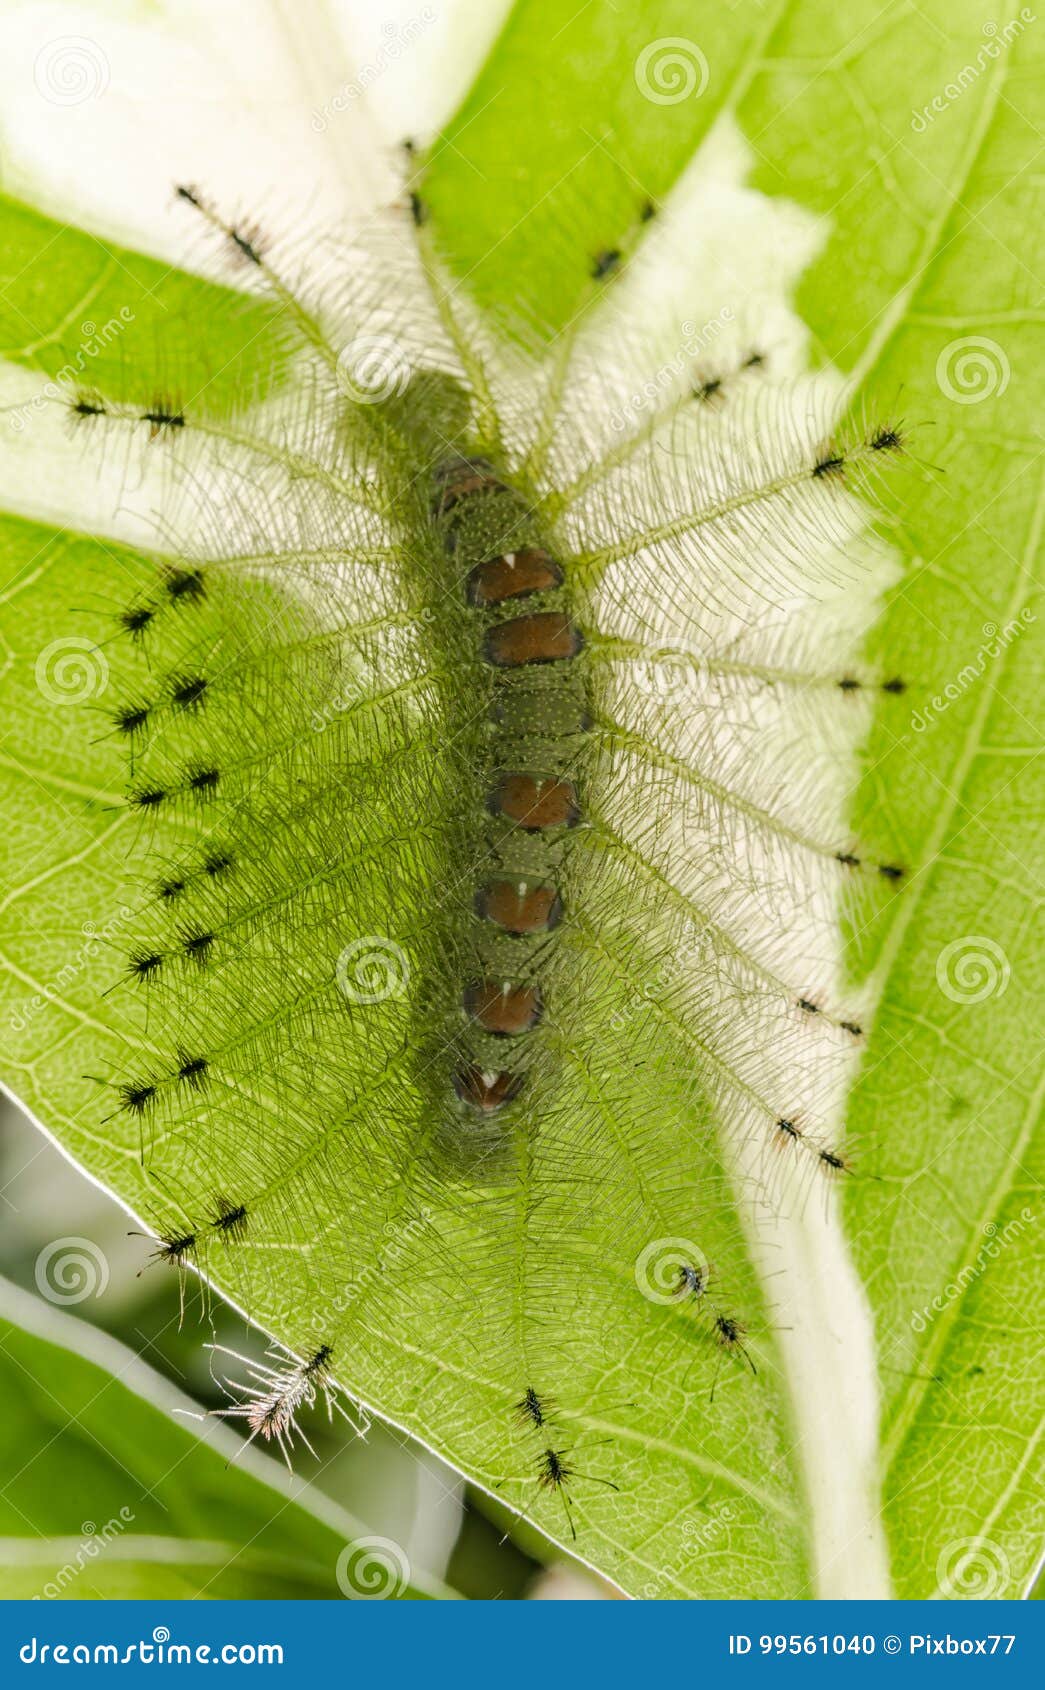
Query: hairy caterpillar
column 337, row 721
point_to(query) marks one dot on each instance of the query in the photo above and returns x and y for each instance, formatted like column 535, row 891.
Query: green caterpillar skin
column 526, row 658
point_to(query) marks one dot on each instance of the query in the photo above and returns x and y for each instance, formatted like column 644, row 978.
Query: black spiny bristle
column 886, row 440
column 193, row 1070
column 202, row 780
column 136, row 618
column 146, row 797
column 231, row 1219
column 197, row 946
column 832, row 463
column 163, row 414
column 87, row 405
column 130, row 719
column 188, row 691
column 185, row 585
column 174, row 1248
column 143, row 964
column 533, row 1409
column 136, row 1095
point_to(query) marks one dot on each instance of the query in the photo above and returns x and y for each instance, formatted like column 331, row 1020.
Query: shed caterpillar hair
column 273, row 1399
column 460, row 932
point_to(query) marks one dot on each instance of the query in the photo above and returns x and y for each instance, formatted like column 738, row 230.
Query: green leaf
column 925, row 290
column 87, row 312
column 578, row 122
column 110, row 1494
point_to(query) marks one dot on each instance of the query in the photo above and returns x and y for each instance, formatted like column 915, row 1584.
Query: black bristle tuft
column 188, row 692
column 605, row 263
column 197, row 946
column 193, row 1070
column 136, row 619
column 130, row 719
column 185, row 586
column 146, row 797
column 231, row 1220
column 87, row 405
column 136, row 1095
column 831, row 464
column 886, row 440
column 142, row 965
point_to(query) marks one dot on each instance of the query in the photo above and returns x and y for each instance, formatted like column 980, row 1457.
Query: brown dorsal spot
column 545, row 637
column 519, row 908
column 484, row 1090
column 502, row 1009
column 464, row 478
column 534, row 803
column 513, row 576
